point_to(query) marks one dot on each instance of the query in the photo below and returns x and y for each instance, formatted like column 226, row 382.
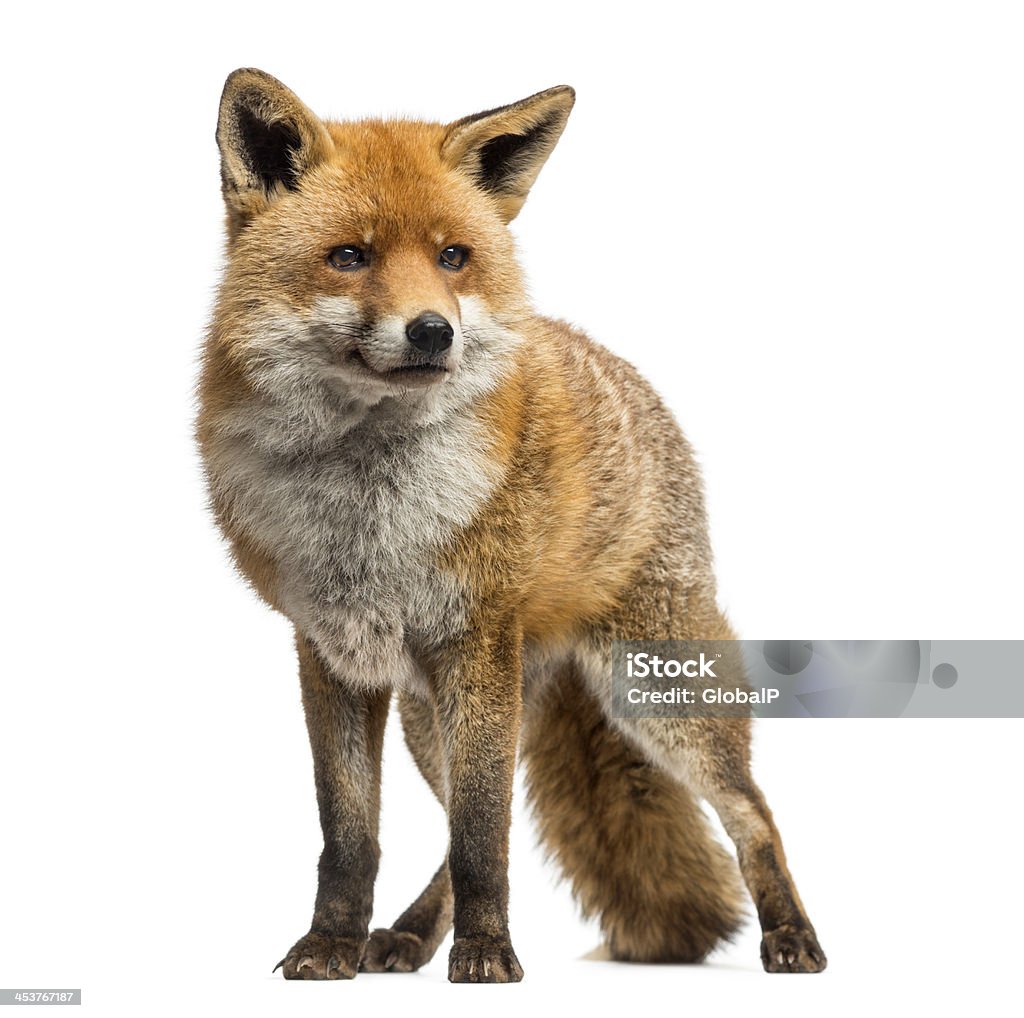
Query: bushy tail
column 634, row 843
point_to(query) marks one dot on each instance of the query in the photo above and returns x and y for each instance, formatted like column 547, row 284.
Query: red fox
column 458, row 501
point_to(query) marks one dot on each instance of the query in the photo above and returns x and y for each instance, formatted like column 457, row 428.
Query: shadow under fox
column 457, row 499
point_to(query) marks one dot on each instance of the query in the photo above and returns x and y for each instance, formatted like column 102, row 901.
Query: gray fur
column 352, row 492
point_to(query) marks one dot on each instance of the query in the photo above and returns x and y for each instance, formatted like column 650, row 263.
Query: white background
column 803, row 221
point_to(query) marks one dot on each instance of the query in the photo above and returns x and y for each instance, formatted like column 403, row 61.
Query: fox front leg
column 346, row 733
column 478, row 689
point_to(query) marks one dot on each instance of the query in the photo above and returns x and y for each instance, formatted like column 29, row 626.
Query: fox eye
column 346, row 257
column 453, row 257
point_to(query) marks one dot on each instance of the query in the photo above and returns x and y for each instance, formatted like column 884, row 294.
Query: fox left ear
column 504, row 149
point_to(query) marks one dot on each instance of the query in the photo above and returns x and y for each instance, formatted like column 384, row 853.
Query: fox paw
column 792, row 949
column 395, row 951
column 321, row 956
column 483, row 960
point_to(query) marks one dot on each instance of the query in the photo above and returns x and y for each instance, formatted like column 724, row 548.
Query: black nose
column 430, row 332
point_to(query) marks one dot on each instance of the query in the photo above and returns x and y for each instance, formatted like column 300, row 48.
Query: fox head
column 371, row 261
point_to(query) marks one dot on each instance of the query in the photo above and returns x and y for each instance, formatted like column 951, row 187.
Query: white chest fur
column 355, row 532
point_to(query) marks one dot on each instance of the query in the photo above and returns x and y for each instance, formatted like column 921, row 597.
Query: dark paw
column 395, row 951
column 321, row 956
column 483, row 960
column 792, row 949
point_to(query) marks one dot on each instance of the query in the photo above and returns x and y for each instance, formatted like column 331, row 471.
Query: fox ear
column 504, row 149
column 267, row 138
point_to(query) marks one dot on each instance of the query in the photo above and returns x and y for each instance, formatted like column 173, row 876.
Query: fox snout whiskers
column 421, row 352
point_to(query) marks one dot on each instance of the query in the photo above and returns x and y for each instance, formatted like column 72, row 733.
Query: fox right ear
column 267, row 138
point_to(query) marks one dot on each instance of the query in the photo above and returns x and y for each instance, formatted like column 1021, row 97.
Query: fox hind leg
column 710, row 756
